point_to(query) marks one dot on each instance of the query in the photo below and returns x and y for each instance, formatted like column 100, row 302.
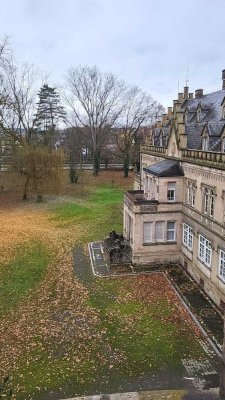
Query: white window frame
column 171, row 188
column 222, row 264
column 169, row 230
column 147, row 238
column 208, row 201
column 187, row 236
column 205, row 250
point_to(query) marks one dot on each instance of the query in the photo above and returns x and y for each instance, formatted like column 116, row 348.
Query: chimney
column 198, row 93
column 169, row 111
column 186, row 91
column 223, row 78
column 191, row 95
column 164, row 118
column 180, row 97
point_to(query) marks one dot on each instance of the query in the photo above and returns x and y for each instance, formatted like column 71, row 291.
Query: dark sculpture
column 118, row 249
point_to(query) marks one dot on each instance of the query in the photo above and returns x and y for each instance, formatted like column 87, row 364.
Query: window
column 222, row 264
column 161, row 140
column 191, row 189
column 188, row 236
column 199, row 113
column 147, row 232
column 223, row 145
column 205, row 250
column 208, row 201
column 170, row 231
column 223, row 112
column 159, row 231
column 205, row 143
column 171, row 191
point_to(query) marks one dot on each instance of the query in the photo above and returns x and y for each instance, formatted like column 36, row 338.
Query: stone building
column 176, row 214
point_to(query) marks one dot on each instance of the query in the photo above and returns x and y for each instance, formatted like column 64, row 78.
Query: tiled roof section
column 210, row 116
column 166, row 168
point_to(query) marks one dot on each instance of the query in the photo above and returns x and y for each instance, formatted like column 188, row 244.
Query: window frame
column 208, row 201
column 220, row 267
column 145, row 241
column 205, row 250
column 191, row 193
column 188, row 233
column 169, row 191
column 169, row 230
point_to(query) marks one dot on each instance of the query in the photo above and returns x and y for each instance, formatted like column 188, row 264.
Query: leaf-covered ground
column 66, row 333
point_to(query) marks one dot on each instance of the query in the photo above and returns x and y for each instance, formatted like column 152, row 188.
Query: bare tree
column 139, row 110
column 18, row 101
column 95, row 101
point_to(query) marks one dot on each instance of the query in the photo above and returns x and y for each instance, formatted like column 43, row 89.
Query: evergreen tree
column 49, row 113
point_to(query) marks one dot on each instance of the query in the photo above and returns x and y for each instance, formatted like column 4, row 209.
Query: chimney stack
column 186, row 91
column 198, row 93
column 223, row 78
column 170, row 111
column 180, row 97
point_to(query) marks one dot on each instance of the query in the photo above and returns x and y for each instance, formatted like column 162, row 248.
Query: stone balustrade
column 202, row 156
column 153, row 149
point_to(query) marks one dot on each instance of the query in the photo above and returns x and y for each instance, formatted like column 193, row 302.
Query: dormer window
column 223, row 145
column 199, row 113
column 223, row 112
column 161, row 140
column 205, row 143
column 153, row 139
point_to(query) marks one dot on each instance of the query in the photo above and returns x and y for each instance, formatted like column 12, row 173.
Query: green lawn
column 101, row 338
column 22, row 274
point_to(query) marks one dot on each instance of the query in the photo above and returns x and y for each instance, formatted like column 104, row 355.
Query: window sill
column 203, row 263
column 221, row 279
column 188, row 248
column 159, row 243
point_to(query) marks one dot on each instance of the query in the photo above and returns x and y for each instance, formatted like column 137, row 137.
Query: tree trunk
column 25, row 188
column 96, row 166
column 126, row 164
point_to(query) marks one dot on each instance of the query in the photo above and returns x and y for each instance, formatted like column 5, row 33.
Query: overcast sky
column 149, row 43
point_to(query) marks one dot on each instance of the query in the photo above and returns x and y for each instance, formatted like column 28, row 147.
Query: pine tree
column 49, row 113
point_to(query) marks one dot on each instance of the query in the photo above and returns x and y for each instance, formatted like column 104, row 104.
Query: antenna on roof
column 178, row 86
column 187, row 80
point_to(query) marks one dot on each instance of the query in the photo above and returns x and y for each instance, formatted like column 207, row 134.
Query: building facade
column 176, row 212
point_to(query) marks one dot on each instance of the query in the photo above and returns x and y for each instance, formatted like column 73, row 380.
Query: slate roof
column 210, row 117
column 166, row 168
column 211, row 120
